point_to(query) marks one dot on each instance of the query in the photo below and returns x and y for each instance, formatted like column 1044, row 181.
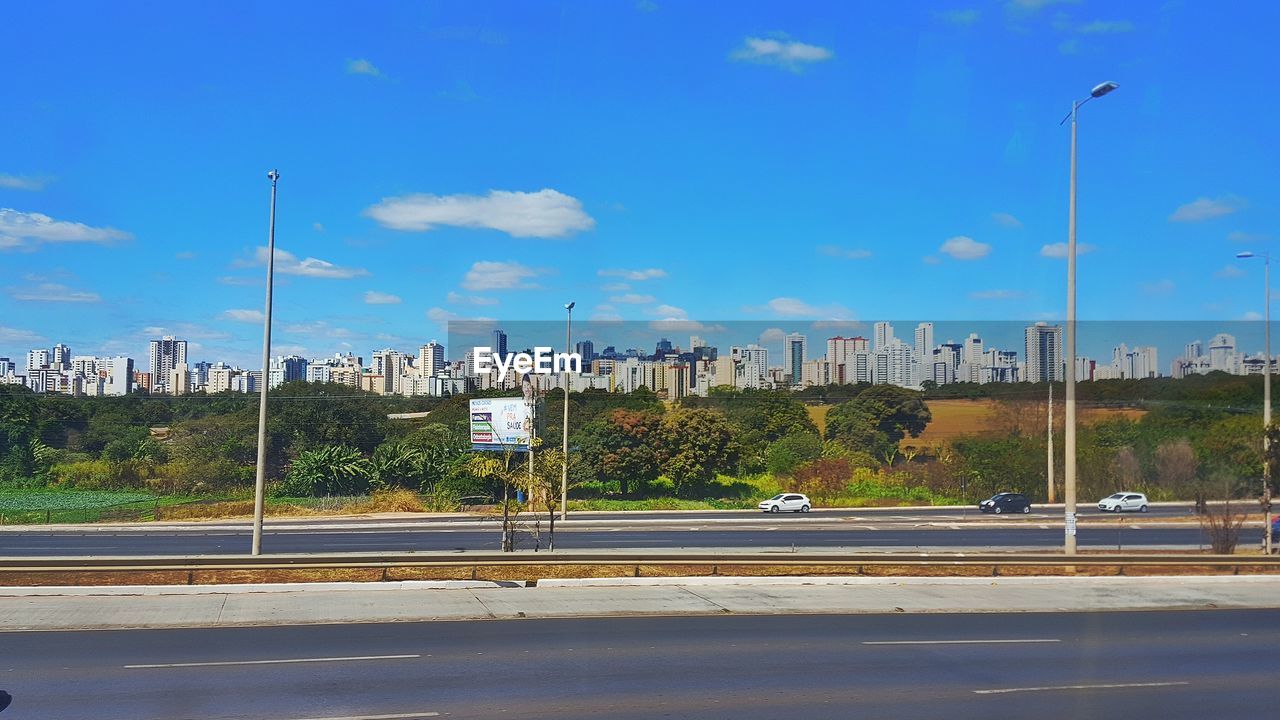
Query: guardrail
column 532, row 566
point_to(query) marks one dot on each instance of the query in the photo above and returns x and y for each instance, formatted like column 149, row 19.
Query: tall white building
column 752, row 365
column 117, row 375
column 61, row 357
column 883, row 335
column 1222, row 352
column 165, row 354
column 40, row 358
column 924, row 341
column 430, row 359
column 1044, row 356
column 972, row 358
column 795, row 349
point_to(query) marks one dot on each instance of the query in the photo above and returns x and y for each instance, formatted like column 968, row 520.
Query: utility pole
column 1267, row 539
column 1050, row 460
column 564, row 426
column 260, row 480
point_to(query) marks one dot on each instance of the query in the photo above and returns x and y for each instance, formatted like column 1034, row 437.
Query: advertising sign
column 500, row 423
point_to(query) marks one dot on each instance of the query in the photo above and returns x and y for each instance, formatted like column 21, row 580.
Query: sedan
column 1006, row 502
column 791, row 502
column 1123, row 502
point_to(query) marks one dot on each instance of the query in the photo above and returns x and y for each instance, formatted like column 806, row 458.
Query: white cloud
column 772, row 335
column 1059, row 250
column 373, row 297
column 1230, row 272
column 318, row 227
column 321, row 328
column 782, row 52
column 543, row 214
column 963, row 18
column 677, row 325
column 615, row 287
column 965, row 248
column 15, row 182
column 460, row 299
column 847, row 253
column 646, row 6
column 53, row 292
column 997, row 294
column 183, row 330
column 1007, row 220
column 1252, row 315
column 671, row 312
column 793, row 307
column 635, row 275
column 244, row 316
column 288, row 264
column 1160, row 287
column 18, row 336
column 1105, row 27
column 491, row 275
column 1034, row 5
column 237, row 281
column 1245, row 237
column 932, row 260
column 27, row 230
column 632, row 299
column 1205, row 208
column 440, row 315
column 362, row 67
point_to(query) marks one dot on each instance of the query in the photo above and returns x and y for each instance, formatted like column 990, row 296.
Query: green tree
column 304, row 416
column 878, row 418
column 331, row 470
column 695, row 445
column 17, row 432
column 396, row 464
column 621, row 447
column 792, row 451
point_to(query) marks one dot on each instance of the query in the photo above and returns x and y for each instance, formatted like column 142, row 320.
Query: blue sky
column 653, row 160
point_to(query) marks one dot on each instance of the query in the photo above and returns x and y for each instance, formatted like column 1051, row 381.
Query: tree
column 1126, row 469
column 303, row 416
column 395, row 464
column 331, row 470
column 792, row 451
column 695, row 446
column 1176, row 467
column 621, row 446
column 878, row 418
column 17, row 431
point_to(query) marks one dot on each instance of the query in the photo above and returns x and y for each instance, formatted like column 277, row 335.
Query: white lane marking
column 274, row 662
column 397, row 716
column 961, row 642
column 1106, row 686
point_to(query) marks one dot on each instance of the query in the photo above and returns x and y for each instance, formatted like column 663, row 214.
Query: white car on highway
column 1123, row 502
column 790, row 502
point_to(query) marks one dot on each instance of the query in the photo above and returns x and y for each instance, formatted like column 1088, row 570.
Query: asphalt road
column 786, row 531
column 1096, row 665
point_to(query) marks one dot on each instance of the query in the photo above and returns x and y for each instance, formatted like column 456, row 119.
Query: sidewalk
column 35, row 609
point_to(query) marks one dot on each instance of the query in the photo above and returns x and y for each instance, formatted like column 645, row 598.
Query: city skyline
column 741, row 177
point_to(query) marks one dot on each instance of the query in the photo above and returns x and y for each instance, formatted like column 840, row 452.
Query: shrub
column 824, row 479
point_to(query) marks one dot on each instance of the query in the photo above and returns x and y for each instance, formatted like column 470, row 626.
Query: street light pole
column 1052, row 498
column 259, row 484
column 564, row 425
column 1266, row 403
column 1069, row 429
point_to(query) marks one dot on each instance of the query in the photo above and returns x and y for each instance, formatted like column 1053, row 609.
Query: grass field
column 955, row 418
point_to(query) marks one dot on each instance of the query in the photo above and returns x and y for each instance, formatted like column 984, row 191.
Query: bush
column 824, row 479
column 792, row 451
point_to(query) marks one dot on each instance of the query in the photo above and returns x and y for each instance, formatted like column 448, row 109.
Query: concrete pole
column 1266, row 417
column 1051, row 495
column 1069, row 429
column 259, row 484
column 564, row 427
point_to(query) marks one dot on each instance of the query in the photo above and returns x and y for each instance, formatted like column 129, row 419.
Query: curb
column 160, row 590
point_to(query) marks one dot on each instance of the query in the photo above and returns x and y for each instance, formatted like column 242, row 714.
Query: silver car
column 790, row 502
column 1123, row 502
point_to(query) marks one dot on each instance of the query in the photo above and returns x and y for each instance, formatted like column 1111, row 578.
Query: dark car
column 1006, row 502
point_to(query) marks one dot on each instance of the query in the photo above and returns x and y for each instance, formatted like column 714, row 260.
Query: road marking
column 397, row 716
column 961, row 642
column 276, row 662
column 1079, row 687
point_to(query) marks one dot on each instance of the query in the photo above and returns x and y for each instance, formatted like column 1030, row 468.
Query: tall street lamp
column 1069, row 432
column 564, row 426
column 1266, row 402
column 259, row 483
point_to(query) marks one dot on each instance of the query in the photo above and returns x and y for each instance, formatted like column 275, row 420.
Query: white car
column 790, row 502
column 1124, row 502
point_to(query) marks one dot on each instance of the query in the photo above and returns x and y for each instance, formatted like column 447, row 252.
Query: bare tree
column 1177, row 467
column 1127, row 469
column 1222, row 524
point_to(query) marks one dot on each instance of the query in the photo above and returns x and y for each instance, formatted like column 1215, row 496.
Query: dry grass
column 382, row 501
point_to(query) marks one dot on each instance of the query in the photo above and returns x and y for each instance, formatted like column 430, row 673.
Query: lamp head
column 273, row 175
column 570, row 306
column 1245, row 254
column 1103, row 88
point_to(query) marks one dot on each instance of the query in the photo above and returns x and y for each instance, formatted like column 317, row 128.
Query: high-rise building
column 924, row 341
column 752, row 365
column 794, row 352
column 117, row 375
column 61, row 357
column 286, row 369
column 430, row 359
column 586, row 350
column 1222, row 352
column 883, row 335
column 180, row 380
column 142, row 380
column 499, row 344
column 37, row 359
column 1044, row 356
column 972, row 361
column 165, row 354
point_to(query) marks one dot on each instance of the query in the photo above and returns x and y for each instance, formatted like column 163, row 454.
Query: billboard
column 500, row 423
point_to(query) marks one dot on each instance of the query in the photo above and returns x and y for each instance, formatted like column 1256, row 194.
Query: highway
column 854, row 529
column 1190, row 664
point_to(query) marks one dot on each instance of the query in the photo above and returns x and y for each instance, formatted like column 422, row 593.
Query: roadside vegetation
column 332, row 449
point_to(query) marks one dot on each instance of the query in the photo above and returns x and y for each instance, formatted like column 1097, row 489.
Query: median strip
column 961, row 642
column 286, row 661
